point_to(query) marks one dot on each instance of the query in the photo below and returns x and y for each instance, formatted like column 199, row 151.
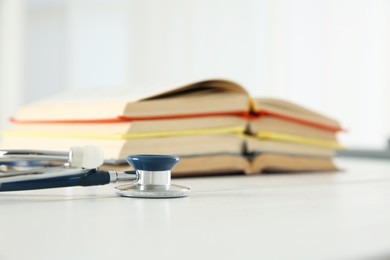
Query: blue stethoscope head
column 153, row 177
column 152, row 162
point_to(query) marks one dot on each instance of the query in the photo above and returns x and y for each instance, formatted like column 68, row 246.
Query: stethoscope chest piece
column 153, row 178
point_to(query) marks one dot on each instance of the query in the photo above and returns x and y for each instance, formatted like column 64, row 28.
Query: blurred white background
column 332, row 56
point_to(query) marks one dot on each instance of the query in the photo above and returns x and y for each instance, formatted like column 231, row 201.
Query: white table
column 342, row 215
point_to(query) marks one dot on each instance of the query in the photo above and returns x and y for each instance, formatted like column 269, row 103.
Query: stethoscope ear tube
column 90, row 177
column 88, row 157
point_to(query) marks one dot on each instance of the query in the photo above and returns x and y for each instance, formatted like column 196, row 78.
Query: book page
column 295, row 112
column 202, row 87
column 142, row 92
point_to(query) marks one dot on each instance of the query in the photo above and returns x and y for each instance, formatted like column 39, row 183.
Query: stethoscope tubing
column 59, row 178
column 32, row 170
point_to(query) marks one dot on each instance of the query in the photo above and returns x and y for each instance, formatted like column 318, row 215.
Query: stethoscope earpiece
column 153, row 178
column 87, row 157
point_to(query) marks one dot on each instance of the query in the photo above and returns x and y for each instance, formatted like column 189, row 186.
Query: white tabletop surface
column 343, row 215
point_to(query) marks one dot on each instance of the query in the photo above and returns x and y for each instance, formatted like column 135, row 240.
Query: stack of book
column 215, row 126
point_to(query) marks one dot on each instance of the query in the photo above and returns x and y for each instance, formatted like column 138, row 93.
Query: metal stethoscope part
column 153, row 178
column 152, row 174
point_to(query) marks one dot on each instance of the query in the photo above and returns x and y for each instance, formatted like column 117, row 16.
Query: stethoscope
column 33, row 169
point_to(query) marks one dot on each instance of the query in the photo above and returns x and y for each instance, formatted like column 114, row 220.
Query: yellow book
column 281, row 137
column 64, row 135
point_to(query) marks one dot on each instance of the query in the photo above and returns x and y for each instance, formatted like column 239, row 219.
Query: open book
column 205, row 98
column 201, row 122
